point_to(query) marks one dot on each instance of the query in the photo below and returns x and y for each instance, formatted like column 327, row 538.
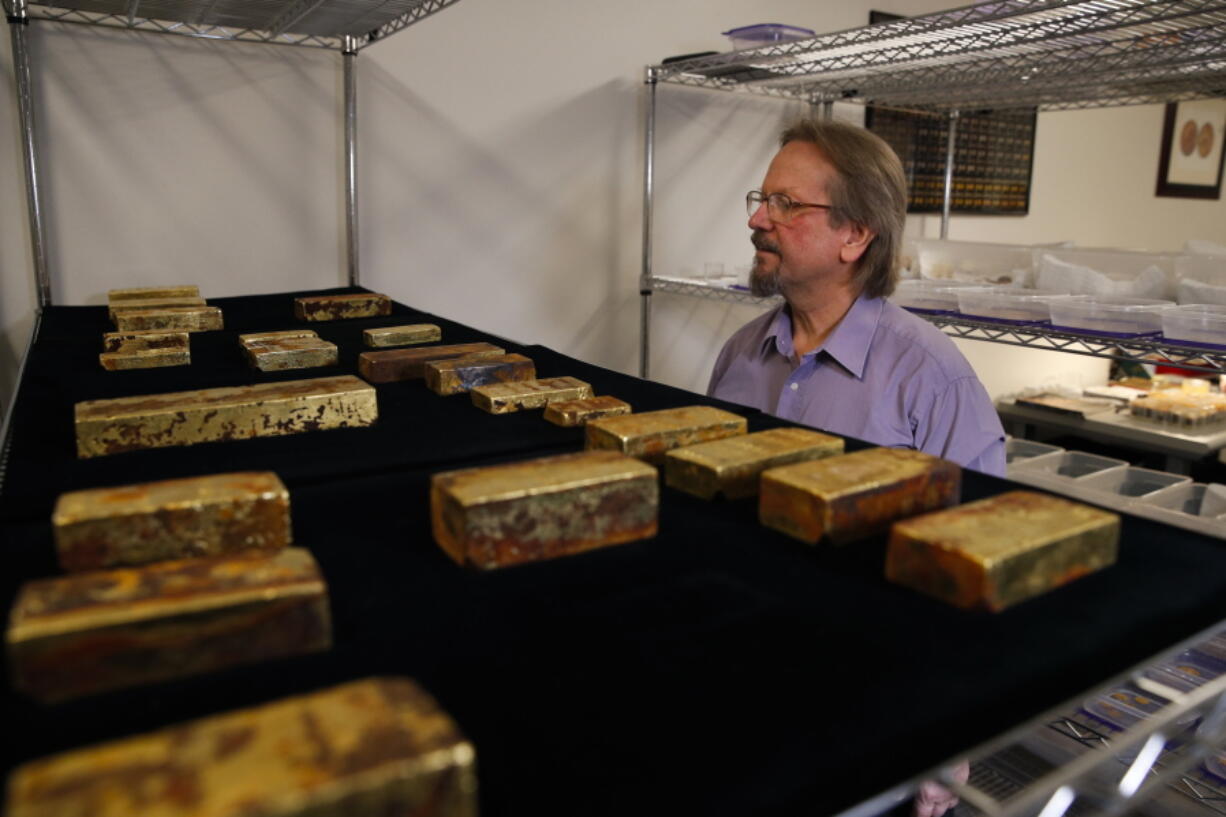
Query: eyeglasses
column 779, row 206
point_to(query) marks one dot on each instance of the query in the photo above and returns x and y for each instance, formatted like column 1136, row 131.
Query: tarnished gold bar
column 173, row 519
column 372, row 748
column 171, row 318
column 141, row 341
column 115, row 307
column 89, row 632
column 341, row 307
column 650, row 434
column 998, row 551
column 190, row 417
column 578, row 412
column 734, row 466
column 291, row 353
column 848, row 497
column 145, row 359
column 543, row 508
column 458, row 375
column 283, row 334
column 402, row 335
column 504, row 398
column 141, row 293
column 410, row 364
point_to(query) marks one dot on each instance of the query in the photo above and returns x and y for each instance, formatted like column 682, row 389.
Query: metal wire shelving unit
column 1046, row 54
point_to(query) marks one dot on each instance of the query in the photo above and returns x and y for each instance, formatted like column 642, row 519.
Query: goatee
column 762, row 283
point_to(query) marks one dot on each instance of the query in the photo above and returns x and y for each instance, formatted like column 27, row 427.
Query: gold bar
column 543, row 508
column 734, row 466
column 174, row 318
column 190, row 417
column 291, row 353
column 369, row 748
column 116, row 307
column 998, row 551
column 342, row 307
column 144, row 340
column 284, row 334
column 456, row 376
column 402, row 335
column 145, row 359
column 134, row 293
column 504, row 398
column 173, row 519
column 578, row 412
column 88, row 632
column 410, row 364
column 650, row 434
column 856, row 495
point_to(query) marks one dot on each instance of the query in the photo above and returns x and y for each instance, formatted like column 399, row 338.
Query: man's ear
column 856, row 238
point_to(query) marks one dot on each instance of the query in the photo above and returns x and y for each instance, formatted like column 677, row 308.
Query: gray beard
column 764, row 284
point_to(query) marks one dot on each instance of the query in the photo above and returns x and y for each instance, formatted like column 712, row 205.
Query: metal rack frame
column 1045, row 54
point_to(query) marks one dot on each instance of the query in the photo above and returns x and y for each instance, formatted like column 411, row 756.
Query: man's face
column 806, row 248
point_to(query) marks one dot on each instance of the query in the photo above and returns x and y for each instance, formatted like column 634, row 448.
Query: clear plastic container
column 1195, row 323
column 1108, row 315
column 1123, row 706
column 1070, row 465
column 1122, row 273
column 1200, row 279
column 976, row 262
column 929, row 296
column 1007, row 305
column 766, row 33
column 1131, row 482
column 1018, row 450
column 1193, row 498
column 1186, row 672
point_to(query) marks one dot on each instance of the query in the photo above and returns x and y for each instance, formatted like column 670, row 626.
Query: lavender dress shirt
column 883, row 375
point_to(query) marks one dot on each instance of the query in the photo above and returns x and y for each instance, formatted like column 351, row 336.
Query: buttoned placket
column 791, row 402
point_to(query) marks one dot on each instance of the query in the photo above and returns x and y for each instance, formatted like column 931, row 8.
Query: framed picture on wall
column 1192, row 149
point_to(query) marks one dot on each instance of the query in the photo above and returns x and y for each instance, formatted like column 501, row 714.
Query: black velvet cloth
column 719, row 668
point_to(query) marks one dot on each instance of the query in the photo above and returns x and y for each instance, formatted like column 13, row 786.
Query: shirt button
column 795, row 386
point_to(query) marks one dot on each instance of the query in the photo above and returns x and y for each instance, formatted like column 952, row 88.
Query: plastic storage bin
column 1007, row 305
column 765, row 34
column 1108, row 315
column 1019, row 450
column 1122, row 273
column 976, row 262
column 929, row 296
column 1200, row 279
column 1194, row 506
column 1130, row 482
column 1195, row 323
column 1069, row 465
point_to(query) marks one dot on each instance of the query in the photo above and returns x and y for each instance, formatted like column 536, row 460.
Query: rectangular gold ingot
column 190, row 417
column 342, row 307
column 1002, row 550
column 650, row 434
column 369, row 748
column 568, row 413
column 410, row 364
column 145, row 359
column 543, row 508
column 283, row 334
column 173, row 519
column 89, row 632
column 171, row 318
column 115, row 307
column 290, row 353
column 144, row 341
column 848, row 497
column 504, row 398
column 733, row 466
column 458, row 375
column 402, row 335
column 144, row 293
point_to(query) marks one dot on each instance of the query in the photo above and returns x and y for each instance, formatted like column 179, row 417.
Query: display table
column 718, row 669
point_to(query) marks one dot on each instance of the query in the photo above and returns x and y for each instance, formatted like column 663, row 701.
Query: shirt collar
column 847, row 344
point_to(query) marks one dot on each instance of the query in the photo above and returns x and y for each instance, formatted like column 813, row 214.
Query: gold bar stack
column 90, row 632
column 856, row 495
column 577, row 412
column 651, row 434
column 367, row 748
column 186, row 418
column 410, row 364
column 543, row 508
column 733, row 466
column 342, row 307
column 172, row 519
column 402, row 335
column 170, row 319
column 996, row 552
column 461, row 374
column 293, row 349
column 504, row 398
column 143, row 293
column 144, row 350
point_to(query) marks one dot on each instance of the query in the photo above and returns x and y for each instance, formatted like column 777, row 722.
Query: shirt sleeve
column 962, row 426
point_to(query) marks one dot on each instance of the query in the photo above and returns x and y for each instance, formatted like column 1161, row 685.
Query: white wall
column 500, row 164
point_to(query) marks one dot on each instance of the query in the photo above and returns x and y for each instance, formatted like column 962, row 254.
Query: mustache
column 761, row 242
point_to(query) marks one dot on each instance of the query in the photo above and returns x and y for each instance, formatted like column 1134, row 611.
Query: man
column 836, row 354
